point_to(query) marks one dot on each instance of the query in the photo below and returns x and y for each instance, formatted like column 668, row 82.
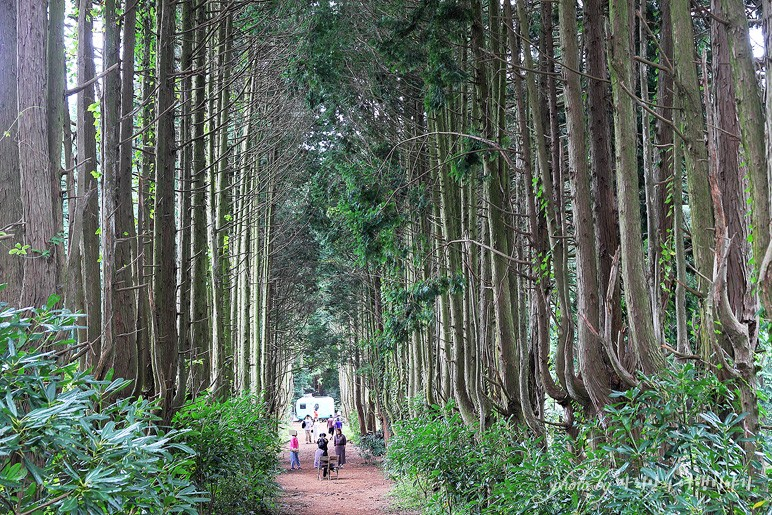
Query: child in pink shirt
column 294, row 452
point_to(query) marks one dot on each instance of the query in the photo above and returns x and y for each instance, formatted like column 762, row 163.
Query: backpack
column 303, row 425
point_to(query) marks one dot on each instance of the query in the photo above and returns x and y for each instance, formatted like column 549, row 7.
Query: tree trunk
column 201, row 332
column 185, row 234
column 749, row 113
column 690, row 119
column 564, row 362
column 125, row 300
column 164, row 351
column 11, row 215
column 144, row 222
column 56, row 86
column 639, row 312
column 601, row 163
column 593, row 362
column 40, row 191
column 88, row 198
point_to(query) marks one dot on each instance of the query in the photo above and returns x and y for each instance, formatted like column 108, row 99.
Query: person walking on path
column 339, row 441
column 330, row 425
column 338, row 422
column 294, row 452
column 321, row 450
column 308, row 425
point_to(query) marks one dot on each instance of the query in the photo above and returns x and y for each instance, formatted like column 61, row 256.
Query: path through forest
column 360, row 488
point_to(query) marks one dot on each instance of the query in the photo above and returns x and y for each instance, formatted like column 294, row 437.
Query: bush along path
column 360, row 487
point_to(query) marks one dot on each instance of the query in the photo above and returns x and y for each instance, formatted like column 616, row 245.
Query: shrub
column 65, row 447
column 236, row 444
column 673, row 446
column 372, row 446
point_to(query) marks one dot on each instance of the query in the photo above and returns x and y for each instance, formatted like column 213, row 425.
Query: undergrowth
column 66, row 445
column 236, row 444
column 675, row 446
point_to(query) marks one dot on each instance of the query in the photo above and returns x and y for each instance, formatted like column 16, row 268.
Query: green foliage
column 468, row 162
column 236, row 444
column 319, row 65
column 764, row 368
column 424, row 39
column 66, row 446
column 372, row 446
column 367, row 210
column 19, row 250
column 673, row 446
column 410, row 309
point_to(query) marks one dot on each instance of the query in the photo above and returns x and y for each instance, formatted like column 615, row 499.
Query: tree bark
column 601, row 162
column 731, row 176
column 639, row 311
column 126, row 353
column 144, row 221
column 11, row 215
column 91, row 281
column 164, row 344
column 593, row 363
column 201, row 332
column 40, row 191
column 749, row 113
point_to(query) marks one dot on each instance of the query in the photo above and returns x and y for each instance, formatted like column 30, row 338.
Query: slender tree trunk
column 497, row 193
column 731, row 176
column 593, row 362
column 125, row 300
column 536, row 220
column 56, row 86
column 185, row 234
column 682, row 336
column 765, row 290
column 111, row 136
column 88, row 184
column 690, row 119
column 118, row 309
column 11, row 215
column 164, row 344
column 267, row 372
column 749, row 113
column 639, row 312
column 201, row 321
column 144, row 222
column 601, row 162
column 450, row 224
column 564, row 362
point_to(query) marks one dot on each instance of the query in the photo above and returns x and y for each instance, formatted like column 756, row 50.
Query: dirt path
column 360, row 488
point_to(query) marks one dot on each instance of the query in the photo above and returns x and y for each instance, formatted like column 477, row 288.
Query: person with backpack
column 308, row 426
column 321, row 450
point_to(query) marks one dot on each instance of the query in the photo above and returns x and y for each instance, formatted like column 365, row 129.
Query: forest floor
column 361, row 488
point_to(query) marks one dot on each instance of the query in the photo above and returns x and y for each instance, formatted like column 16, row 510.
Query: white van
column 306, row 405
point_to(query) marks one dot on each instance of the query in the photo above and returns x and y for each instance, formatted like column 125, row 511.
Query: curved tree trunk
column 593, row 362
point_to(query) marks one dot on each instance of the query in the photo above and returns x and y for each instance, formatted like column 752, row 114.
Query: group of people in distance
column 334, row 428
